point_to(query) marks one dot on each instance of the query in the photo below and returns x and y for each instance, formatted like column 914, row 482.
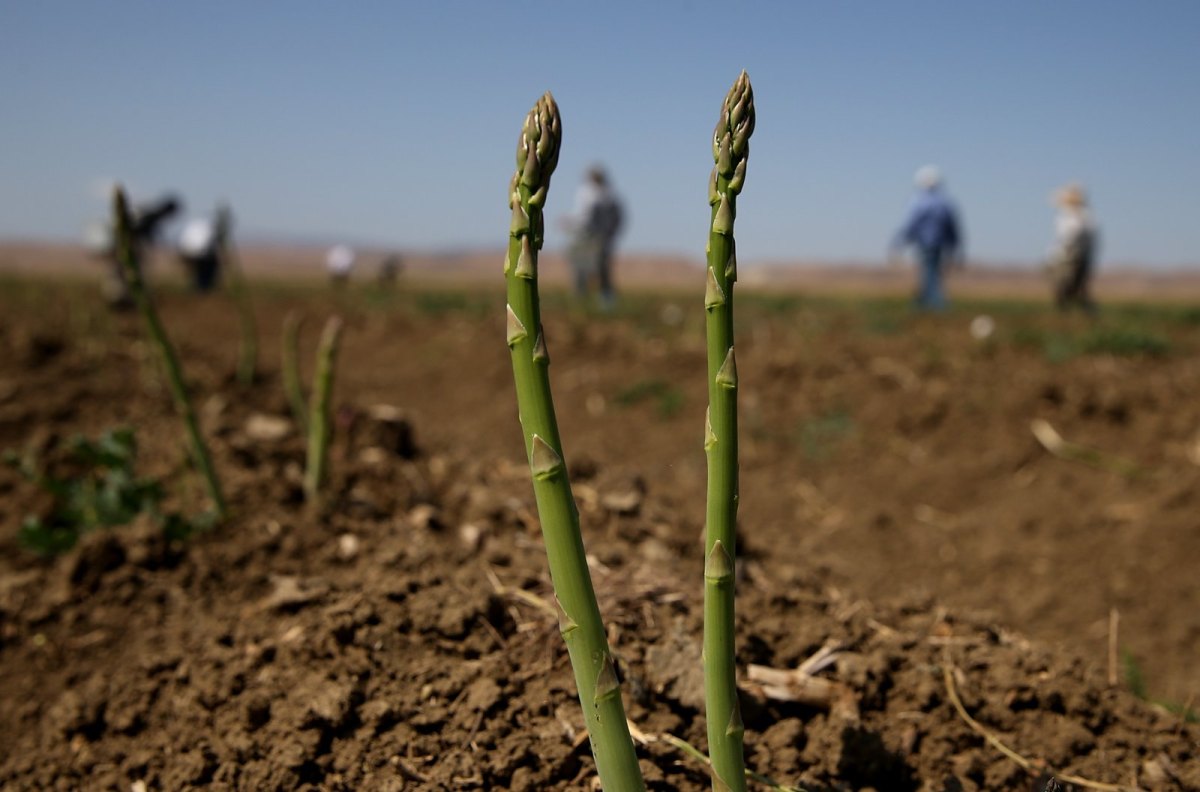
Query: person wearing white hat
column 1074, row 255
column 198, row 250
column 594, row 226
column 932, row 230
column 340, row 262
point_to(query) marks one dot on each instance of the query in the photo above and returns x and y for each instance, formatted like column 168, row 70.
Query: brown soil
column 894, row 502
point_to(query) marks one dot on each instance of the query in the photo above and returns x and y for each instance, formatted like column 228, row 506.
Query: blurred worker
column 389, row 270
column 200, row 253
column 1074, row 254
column 594, row 226
column 148, row 220
column 932, row 230
column 339, row 262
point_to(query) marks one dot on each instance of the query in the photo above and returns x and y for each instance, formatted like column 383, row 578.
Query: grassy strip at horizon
column 167, row 278
column 1021, row 322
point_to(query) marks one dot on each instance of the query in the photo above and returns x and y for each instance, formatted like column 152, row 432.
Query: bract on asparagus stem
column 727, row 374
column 607, row 684
column 544, row 461
column 516, row 330
column 724, row 156
column 723, row 222
column 525, row 263
column 713, row 294
column 540, row 353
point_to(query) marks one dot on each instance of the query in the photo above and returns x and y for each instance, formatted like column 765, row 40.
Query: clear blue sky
column 395, row 122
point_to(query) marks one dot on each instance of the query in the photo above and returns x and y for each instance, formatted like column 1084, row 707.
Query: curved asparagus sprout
column 290, row 356
column 730, row 151
column 127, row 256
column 580, row 622
column 319, row 421
column 247, row 367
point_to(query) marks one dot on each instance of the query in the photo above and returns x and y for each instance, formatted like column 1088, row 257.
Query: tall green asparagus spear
column 127, row 255
column 247, row 367
column 290, row 364
column 320, row 427
column 730, row 150
column 580, row 623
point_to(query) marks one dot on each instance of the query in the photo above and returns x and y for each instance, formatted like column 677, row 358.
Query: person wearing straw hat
column 1074, row 254
column 932, row 230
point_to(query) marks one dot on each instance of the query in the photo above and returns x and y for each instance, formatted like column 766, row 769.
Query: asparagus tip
column 537, row 148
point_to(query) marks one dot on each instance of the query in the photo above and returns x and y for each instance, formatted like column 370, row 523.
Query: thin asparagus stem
column 320, row 427
column 730, row 152
column 127, row 255
column 290, row 355
column 247, row 368
column 580, row 622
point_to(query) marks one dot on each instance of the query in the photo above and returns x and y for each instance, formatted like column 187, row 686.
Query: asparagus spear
column 319, row 421
column 248, row 342
column 127, row 256
column 292, row 388
column 580, row 622
column 730, row 151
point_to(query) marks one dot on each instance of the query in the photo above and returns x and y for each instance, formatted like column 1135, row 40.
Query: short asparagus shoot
column 290, row 366
column 320, row 421
column 127, row 255
column 580, row 622
column 247, row 368
column 724, row 720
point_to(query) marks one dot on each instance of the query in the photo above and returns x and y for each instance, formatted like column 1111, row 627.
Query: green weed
column 667, row 398
column 820, row 436
column 1117, row 340
column 94, row 486
column 1125, row 342
column 1135, row 681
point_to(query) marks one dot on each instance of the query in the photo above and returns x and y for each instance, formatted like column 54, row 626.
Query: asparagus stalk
column 730, row 151
column 290, row 354
column 580, row 622
column 247, row 367
column 127, row 256
column 320, row 427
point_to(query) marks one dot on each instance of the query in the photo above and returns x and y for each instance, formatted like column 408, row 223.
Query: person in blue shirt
column 932, row 230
